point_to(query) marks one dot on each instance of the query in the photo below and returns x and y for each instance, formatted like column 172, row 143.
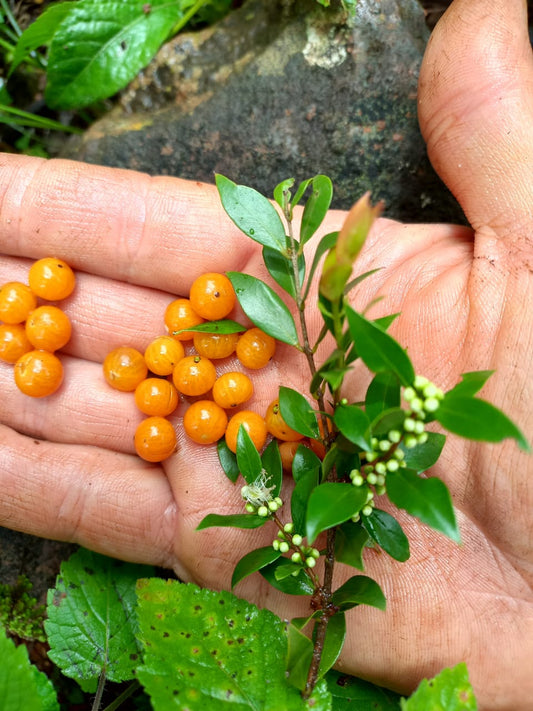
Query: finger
column 159, row 232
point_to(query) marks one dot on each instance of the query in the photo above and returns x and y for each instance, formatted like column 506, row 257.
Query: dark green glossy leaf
column 350, row 543
column 424, row 456
column 326, row 243
column 231, row 521
column 382, row 394
column 280, row 269
column 471, row 383
column 305, row 460
column 477, row 419
column 448, row 691
column 299, row 656
column 316, row 207
column 222, row 326
column 298, row 413
column 427, row 499
column 335, row 636
column 300, row 497
column 290, row 585
column 252, row 562
column 252, row 213
column 248, row 458
column 388, row 420
column 354, row 425
column 359, row 590
column 331, row 504
column 288, row 568
column 271, row 464
column 379, row 351
column 352, row 694
column 264, row 307
column 340, row 458
column 387, row 533
column 228, row 460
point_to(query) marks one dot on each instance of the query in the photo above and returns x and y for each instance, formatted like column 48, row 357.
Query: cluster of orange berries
column 165, row 373
column 30, row 333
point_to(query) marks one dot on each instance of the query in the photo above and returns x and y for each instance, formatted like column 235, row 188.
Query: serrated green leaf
column 316, row 207
column 221, row 326
column 477, row 419
column 252, row 213
column 91, row 622
column 264, row 307
column 300, row 497
column 331, row 504
column 379, row 351
column 304, row 461
column 228, row 461
column 22, row 686
column 298, row 413
column 471, row 383
column 354, row 424
column 271, row 464
column 387, row 533
column 425, row 455
column 448, row 691
column 427, row 499
column 290, row 585
column 352, row 694
column 280, row 269
column 231, row 521
column 252, row 562
column 248, row 458
column 382, row 394
column 207, row 650
column 350, row 542
column 101, row 45
column 359, row 590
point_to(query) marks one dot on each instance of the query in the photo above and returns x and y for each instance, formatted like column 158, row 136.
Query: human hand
column 67, row 464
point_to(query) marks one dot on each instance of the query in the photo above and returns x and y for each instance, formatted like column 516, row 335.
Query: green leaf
column 207, row 650
column 387, row 533
column 280, row 269
column 300, row 497
column 252, row 213
column 231, row 521
column 350, row 542
column 228, row 460
column 91, row 624
column 304, row 461
column 252, row 562
column 331, row 504
column 427, row 499
column 316, row 207
column 282, row 193
column 298, row 195
column 471, row 383
column 264, row 307
column 424, row 456
column 352, row 694
column 383, row 393
column 448, row 691
column 477, row 419
column 354, row 424
column 290, row 585
column 23, row 686
column 298, row 413
column 359, row 590
column 40, row 32
column 288, row 568
column 388, row 420
column 271, row 464
column 326, row 243
column 101, row 45
column 379, row 351
column 299, row 655
column 221, row 326
column 335, row 636
column 248, row 458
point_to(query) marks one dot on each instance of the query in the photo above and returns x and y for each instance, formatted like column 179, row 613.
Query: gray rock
column 285, row 88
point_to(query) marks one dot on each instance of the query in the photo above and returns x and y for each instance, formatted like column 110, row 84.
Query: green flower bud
column 410, row 442
column 372, row 479
column 380, row 490
column 278, row 501
column 275, row 544
column 371, row 456
column 284, row 547
column 358, row 480
column 296, row 557
column 399, row 454
column 409, row 424
column 430, row 390
column 366, row 510
column 392, row 465
column 297, row 539
column 420, row 381
column 419, row 427
column 315, row 553
column 394, row 436
column 262, row 511
column 431, row 404
column 273, row 506
column 422, row 438
column 250, row 508
column 409, row 394
column 380, row 480
column 380, row 468
column 369, row 496
column 356, row 518
column 310, row 562
column 384, row 445
column 416, row 404
column 288, row 527
column 281, row 535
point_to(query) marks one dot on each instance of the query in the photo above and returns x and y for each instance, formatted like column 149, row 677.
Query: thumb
column 476, row 110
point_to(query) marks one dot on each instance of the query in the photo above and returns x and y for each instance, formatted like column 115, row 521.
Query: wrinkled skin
column 67, row 468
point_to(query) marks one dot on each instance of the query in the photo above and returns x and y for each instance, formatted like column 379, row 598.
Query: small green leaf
column 354, row 424
column 248, row 458
column 326, row 243
column 298, row 195
column 331, row 504
column 477, row 419
column 298, row 413
column 471, row 383
column 252, row 562
column 424, row 456
column 387, row 533
column 359, row 590
column 290, row 585
column 280, row 269
column 222, row 326
column 271, row 464
column 299, row 656
column 350, row 542
column 304, row 461
column 382, row 394
column 335, row 636
column 288, row 568
column 379, row 351
column 448, row 691
column 427, row 499
column 300, row 497
column 231, row 521
column 352, row 694
column 282, row 193
column 228, row 460
column 252, row 213
column 316, row 207
column 264, row 307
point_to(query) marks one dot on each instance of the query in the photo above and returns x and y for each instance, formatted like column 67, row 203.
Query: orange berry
column 277, row 426
column 38, row 373
column 194, row 375
column 179, row 314
column 253, row 423
column 212, row 296
column 255, row 348
column 287, row 452
column 51, row 279
column 163, row 354
column 48, row 328
column 215, row 345
column 16, row 302
column 155, row 439
column 205, row 422
column 13, row 342
column 124, row 368
column 156, row 396
column 232, row 389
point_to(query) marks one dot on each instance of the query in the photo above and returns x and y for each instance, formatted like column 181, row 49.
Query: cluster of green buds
column 259, row 499
column 423, row 399
column 287, row 540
